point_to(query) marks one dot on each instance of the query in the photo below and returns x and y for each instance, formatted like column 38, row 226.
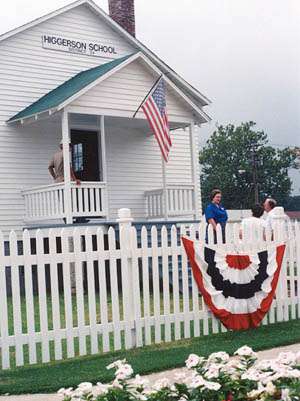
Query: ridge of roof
column 67, row 89
column 193, row 92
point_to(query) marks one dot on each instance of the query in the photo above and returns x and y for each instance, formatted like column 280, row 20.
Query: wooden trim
column 67, row 175
column 193, row 150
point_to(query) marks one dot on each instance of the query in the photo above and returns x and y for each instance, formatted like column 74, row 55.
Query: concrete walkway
column 268, row 354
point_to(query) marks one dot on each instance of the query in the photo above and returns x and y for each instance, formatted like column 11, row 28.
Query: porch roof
column 69, row 88
column 73, row 88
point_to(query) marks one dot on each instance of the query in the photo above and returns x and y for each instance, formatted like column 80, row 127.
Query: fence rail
column 85, row 292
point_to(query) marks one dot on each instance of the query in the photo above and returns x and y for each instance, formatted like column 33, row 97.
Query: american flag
column 155, row 111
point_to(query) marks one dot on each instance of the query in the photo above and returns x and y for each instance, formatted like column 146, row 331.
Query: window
column 77, row 161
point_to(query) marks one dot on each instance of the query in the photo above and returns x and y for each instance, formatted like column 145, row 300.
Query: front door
column 85, row 155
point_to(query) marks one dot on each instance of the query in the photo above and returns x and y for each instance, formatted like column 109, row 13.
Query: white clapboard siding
column 146, row 293
column 28, row 72
column 135, row 82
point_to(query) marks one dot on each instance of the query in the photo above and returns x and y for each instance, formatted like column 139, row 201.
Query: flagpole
column 165, row 192
column 154, row 85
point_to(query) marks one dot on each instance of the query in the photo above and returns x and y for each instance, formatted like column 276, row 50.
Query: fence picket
column 77, row 235
column 90, row 272
column 43, row 312
column 16, row 299
column 146, row 289
column 136, row 293
column 185, row 288
column 103, row 290
column 114, row 288
column 155, row 280
column 4, row 313
column 195, row 292
column 175, row 282
column 291, row 261
column 66, row 269
column 166, row 284
column 55, row 297
column 30, row 317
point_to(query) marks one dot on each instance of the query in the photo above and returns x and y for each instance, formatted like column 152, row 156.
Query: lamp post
column 254, row 163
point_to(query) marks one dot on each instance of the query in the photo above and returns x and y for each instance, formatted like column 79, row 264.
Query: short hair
column 272, row 202
column 215, row 192
column 257, row 210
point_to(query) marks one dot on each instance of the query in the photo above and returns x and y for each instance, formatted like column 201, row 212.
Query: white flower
column 85, row 387
column 218, row 356
column 212, row 385
column 264, row 364
column 140, row 396
column 116, row 384
column 251, row 374
column 66, row 392
column 78, row 393
column 294, row 373
column 193, row 361
column 285, row 394
column 116, row 364
column 102, row 389
column 245, row 351
column 160, row 384
column 213, row 371
column 139, row 381
column 197, row 381
column 124, row 372
column 287, row 358
column 298, row 357
column 255, row 393
column 270, row 388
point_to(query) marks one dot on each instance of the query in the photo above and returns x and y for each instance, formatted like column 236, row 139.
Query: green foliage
column 229, row 151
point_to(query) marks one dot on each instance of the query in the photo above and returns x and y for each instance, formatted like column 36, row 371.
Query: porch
column 115, row 156
column 89, row 200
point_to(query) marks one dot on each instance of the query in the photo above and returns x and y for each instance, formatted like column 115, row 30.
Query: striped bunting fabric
column 155, row 110
column 238, row 288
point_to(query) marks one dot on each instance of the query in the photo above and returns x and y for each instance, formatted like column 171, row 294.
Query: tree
column 228, row 159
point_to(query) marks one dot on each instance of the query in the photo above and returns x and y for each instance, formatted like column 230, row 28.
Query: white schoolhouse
column 79, row 74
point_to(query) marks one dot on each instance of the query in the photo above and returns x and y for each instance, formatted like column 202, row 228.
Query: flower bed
column 216, row 378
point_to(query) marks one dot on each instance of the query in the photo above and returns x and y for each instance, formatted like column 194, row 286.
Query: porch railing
column 47, row 202
column 180, row 201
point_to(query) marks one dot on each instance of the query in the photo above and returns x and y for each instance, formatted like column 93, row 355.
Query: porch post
column 67, row 173
column 165, row 192
column 194, row 163
column 104, row 163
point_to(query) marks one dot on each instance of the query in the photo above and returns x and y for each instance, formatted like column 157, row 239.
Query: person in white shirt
column 253, row 227
column 270, row 208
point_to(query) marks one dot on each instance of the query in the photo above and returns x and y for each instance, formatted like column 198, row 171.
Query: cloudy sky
column 243, row 54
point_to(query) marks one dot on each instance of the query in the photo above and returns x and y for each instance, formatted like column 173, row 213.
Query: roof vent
column 122, row 11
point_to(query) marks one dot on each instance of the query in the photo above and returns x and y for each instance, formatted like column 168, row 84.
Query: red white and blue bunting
column 237, row 288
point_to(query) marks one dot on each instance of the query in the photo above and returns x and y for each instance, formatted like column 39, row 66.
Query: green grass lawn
column 50, row 377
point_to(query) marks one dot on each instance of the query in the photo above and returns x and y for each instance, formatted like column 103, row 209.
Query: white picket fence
column 96, row 294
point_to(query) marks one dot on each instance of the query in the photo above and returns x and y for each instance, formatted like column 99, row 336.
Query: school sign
column 68, row 45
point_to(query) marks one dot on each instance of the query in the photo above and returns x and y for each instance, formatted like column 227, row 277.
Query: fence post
column 125, row 220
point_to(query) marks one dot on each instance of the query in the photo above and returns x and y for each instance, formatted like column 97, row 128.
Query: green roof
column 69, row 88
